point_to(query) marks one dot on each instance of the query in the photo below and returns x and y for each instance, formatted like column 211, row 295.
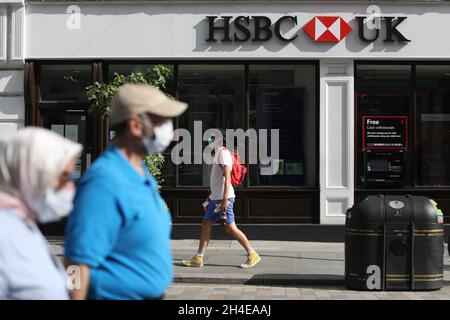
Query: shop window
column 215, row 94
column 384, row 98
column 284, row 98
column 63, row 106
column 280, row 97
column 433, row 124
column 383, row 90
column 168, row 171
column 64, row 82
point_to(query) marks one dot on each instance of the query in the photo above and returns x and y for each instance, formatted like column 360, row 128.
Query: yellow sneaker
column 253, row 259
column 195, row 261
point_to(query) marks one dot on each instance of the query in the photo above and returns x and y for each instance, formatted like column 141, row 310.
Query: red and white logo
column 327, row 29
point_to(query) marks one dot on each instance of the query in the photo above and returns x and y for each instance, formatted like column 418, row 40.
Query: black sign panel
column 385, row 132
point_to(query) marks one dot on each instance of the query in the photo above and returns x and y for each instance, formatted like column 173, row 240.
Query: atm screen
column 384, row 168
column 378, row 165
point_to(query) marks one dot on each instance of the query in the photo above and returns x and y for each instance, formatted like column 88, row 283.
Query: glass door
column 73, row 125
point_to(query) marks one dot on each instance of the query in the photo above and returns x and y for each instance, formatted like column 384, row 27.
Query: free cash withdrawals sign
column 385, row 132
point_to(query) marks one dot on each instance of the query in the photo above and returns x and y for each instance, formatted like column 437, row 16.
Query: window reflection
column 64, row 82
column 215, row 94
column 433, row 106
column 283, row 97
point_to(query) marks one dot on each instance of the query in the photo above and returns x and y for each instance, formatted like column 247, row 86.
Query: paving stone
column 288, row 270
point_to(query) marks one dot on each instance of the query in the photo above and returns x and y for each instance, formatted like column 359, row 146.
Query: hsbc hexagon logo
column 327, row 28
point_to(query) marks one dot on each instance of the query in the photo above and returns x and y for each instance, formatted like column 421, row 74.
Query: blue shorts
column 210, row 215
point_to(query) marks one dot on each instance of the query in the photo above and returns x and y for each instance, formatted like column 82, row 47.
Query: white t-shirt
column 217, row 180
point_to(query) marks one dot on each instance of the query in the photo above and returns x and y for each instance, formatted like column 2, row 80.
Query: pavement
column 206, row 291
column 284, row 263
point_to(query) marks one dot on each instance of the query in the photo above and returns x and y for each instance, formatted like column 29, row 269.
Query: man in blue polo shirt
column 119, row 231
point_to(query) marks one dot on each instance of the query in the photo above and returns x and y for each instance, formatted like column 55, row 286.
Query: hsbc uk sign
column 319, row 29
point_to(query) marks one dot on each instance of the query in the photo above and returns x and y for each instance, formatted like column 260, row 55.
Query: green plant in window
column 101, row 94
column 155, row 163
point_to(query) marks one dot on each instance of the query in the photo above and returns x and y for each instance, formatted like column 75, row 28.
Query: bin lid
column 401, row 209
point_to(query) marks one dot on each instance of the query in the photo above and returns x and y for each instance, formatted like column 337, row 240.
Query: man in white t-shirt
column 219, row 207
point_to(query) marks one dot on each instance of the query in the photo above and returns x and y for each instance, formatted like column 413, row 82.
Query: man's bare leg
column 197, row 260
column 205, row 236
column 253, row 257
column 237, row 234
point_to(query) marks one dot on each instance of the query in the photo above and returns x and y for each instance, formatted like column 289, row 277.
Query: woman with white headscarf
column 35, row 169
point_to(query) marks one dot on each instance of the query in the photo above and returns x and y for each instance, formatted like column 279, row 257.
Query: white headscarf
column 30, row 162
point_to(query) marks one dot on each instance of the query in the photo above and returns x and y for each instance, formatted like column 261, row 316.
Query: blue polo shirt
column 120, row 228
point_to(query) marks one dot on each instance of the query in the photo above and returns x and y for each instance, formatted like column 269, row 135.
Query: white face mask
column 55, row 205
column 163, row 135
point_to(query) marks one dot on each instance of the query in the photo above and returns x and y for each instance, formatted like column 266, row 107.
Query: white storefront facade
column 12, row 109
column 340, row 64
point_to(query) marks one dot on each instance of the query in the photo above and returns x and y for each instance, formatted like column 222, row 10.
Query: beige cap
column 140, row 98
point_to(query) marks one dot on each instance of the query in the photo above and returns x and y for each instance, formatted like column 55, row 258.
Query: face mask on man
column 163, row 135
column 55, row 205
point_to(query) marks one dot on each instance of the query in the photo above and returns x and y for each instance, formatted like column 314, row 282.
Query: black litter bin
column 394, row 243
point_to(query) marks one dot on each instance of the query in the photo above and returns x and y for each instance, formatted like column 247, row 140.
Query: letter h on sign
column 213, row 28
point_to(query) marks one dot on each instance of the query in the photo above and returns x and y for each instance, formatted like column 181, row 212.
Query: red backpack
column 238, row 170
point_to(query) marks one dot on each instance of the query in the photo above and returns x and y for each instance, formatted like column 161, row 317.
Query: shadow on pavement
column 297, row 279
column 299, row 258
column 179, row 264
